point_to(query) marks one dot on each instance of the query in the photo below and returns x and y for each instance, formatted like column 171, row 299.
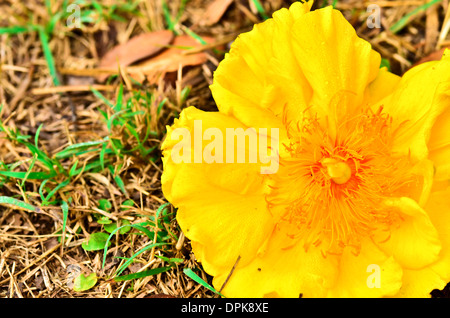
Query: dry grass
column 33, row 262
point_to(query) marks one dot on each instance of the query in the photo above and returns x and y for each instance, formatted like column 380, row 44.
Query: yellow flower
column 359, row 202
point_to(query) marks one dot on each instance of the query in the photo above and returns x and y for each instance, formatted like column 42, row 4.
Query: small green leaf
column 104, row 220
column 104, row 205
column 170, row 259
column 82, row 282
column 126, row 204
column 124, row 229
column 97, row 241
column 385, row 63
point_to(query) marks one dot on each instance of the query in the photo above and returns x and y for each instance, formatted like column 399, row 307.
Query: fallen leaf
column 111, row 227
column 82, row 282
column 137, row 48
column 215, row 11
column 170, row 60
column 96, row 242
column 435, row 56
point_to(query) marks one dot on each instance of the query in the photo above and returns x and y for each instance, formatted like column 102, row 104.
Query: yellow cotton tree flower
column 357, row 203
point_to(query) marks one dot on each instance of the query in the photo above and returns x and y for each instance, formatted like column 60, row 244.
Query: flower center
column 338, row 171
column 329, row 191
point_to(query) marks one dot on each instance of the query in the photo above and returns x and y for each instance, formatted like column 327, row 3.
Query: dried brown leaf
column 215, row 11
column 170, row 60
column 435, row 56
column 137, row 48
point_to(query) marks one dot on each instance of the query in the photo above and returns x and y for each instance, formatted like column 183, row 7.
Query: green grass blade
column 28, row 175
column 385, row 63
column 119, row 102
column 260, row 9
column 36, row 137
column 118, row 180
column 14, row 30
column 73, row 168
column 167, row 16
column 41, row 156
column 102, row 155
column 101, row 97
column 195, row 36
column 190, row 273
column 48, row 56
column 136, row 226
column 408, row 17
column 18, row 203
column 52, row 193
column 142, row 250
column 29, row 170
column 142, row 274
column 41, row 189
column 65, row 211
column 92, row 165
column 112, row 118
column 48, row 5
column 74, row 149
column 79, row 148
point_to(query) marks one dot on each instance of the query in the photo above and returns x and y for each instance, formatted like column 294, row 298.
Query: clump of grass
column 69, row 16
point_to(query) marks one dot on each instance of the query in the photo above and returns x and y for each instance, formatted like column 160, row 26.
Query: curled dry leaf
column 435, row 56
column 137, row 48
column 215, row 11
column 170, row 60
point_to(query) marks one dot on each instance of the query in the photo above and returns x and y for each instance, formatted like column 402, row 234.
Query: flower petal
column 382, row 86
column 222, row 215
column 419, row 283
column 421, row 96
column 414, row 243
column 439, row 146
column 438, row 208
column 260, row 79
column 336, row 62
column 371, row 273
column 278, row 272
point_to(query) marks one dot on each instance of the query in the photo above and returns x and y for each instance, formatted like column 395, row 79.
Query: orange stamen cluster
column 332, row 188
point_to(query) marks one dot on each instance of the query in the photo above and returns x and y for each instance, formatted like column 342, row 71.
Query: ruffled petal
column 336, row 62
column 266, row 83
column 413, row 241
column 438, row 208
column 371, row 273
column 281, row 272
column 439, row 146
column 221, row 206
column 419, row 283
column 384, row 84
column 421, row 96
